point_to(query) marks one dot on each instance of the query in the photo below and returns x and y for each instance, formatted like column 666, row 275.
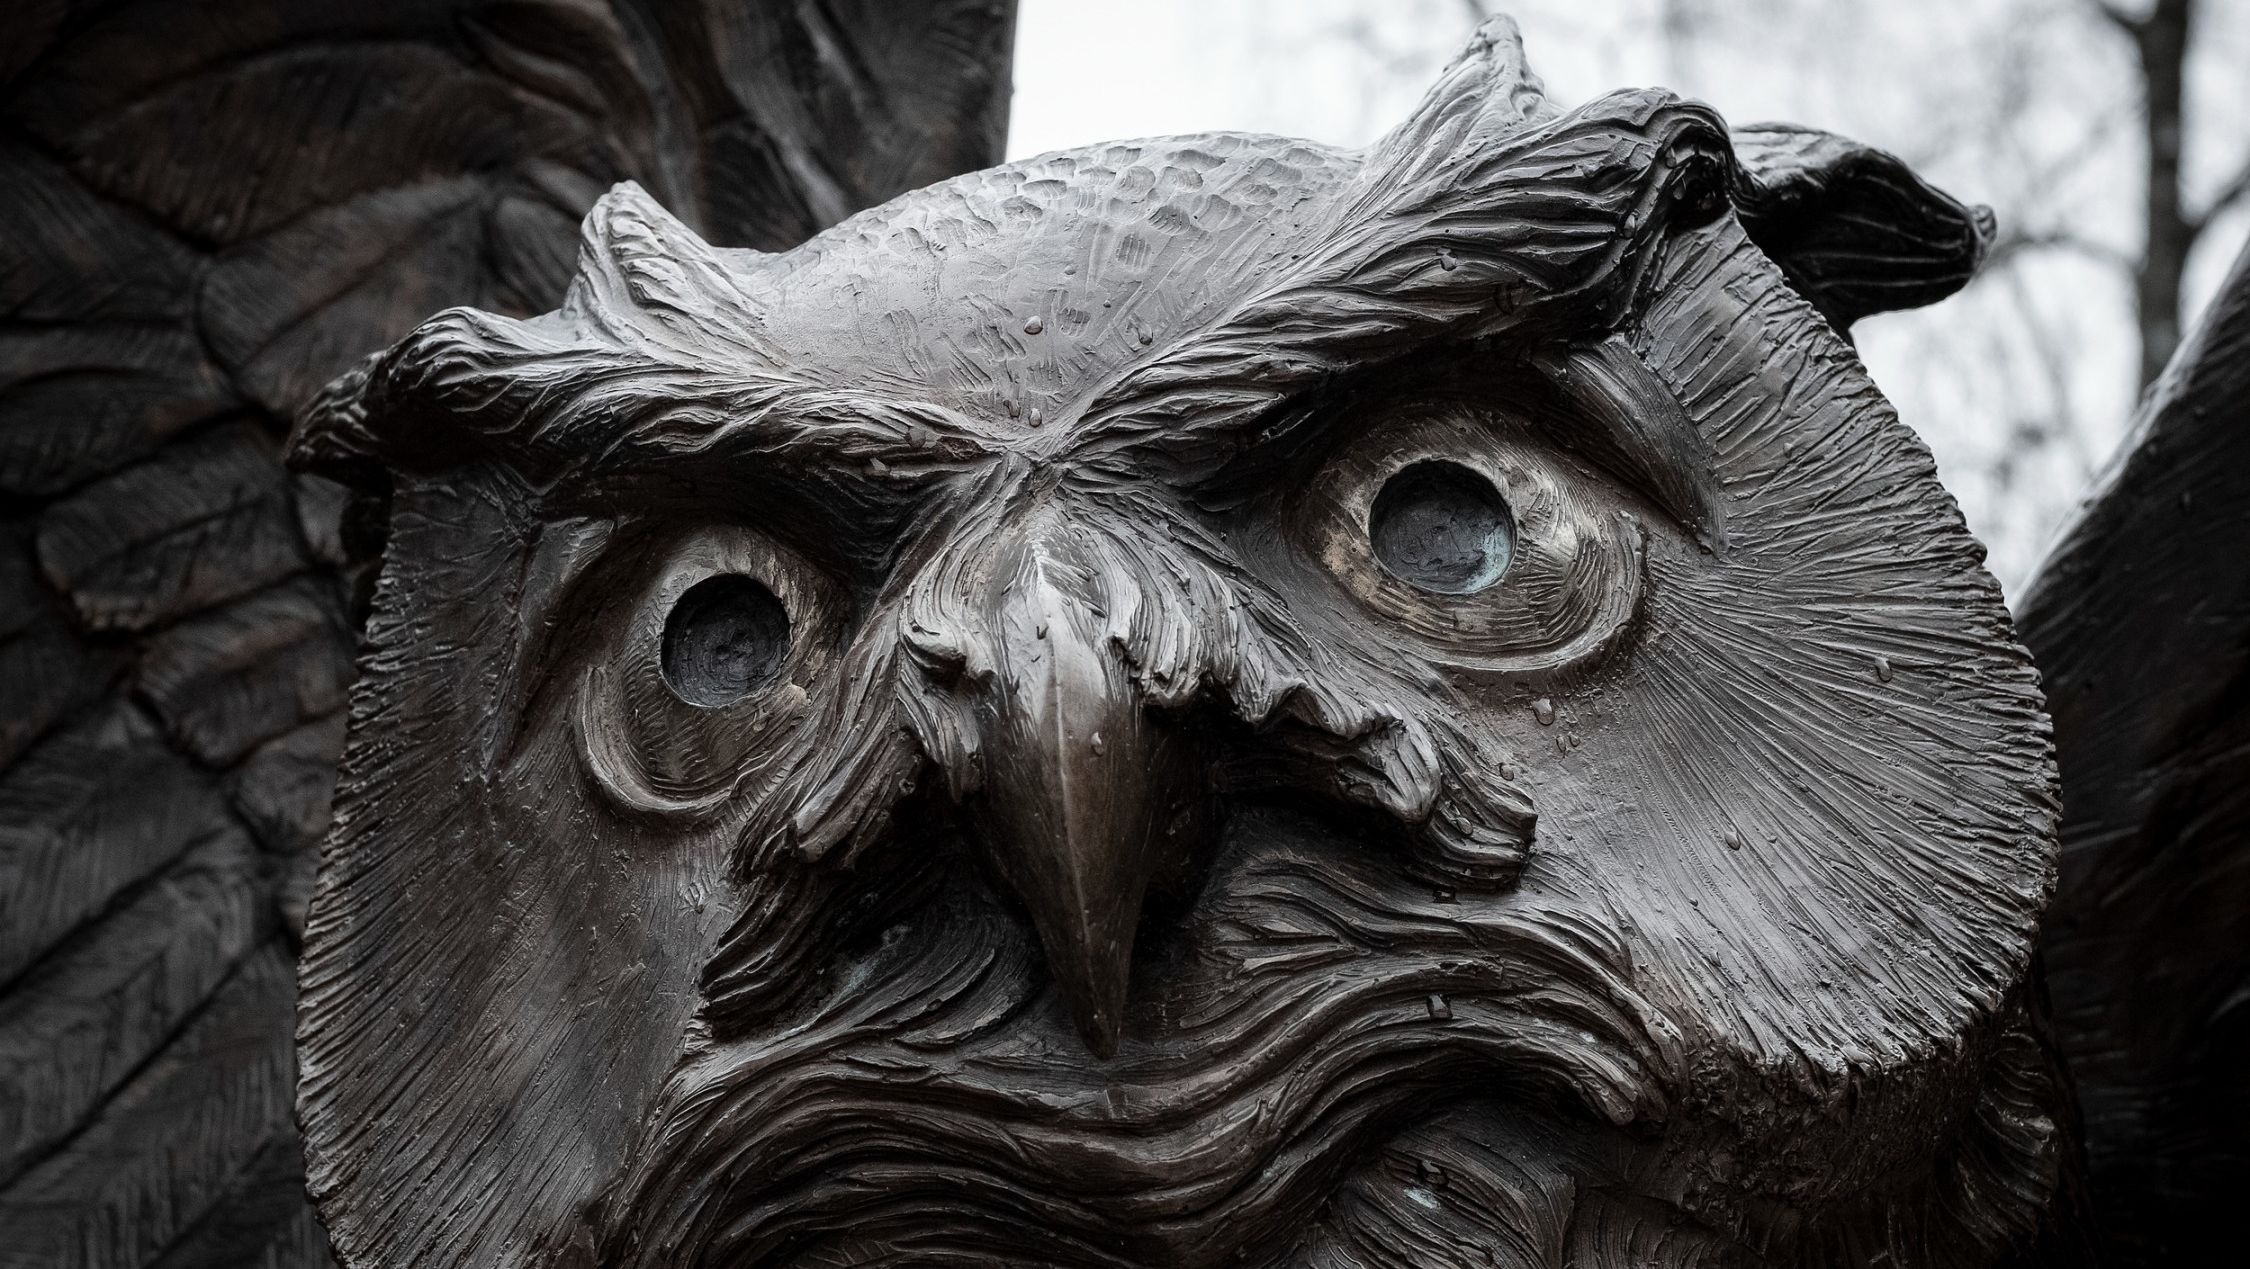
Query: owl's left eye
column 1455, row 523
column 1442, row 527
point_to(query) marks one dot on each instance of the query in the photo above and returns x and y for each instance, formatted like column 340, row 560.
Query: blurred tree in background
column 2162, row 38
column 2111, row 137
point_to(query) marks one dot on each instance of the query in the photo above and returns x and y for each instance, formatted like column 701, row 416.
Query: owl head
column 1201, row 701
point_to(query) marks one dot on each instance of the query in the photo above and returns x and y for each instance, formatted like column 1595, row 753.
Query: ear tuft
column 634, row 256
column 630, row 239
column 1853, row 228
column 1487, row 92
column 652, row 305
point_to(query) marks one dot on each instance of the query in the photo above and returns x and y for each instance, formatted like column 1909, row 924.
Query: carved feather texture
column 205, row 214
column 1107, row 879
column 2142, row 621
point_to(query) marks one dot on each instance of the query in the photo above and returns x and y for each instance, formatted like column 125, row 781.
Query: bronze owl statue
column 1206, row 701
column 1193, row 702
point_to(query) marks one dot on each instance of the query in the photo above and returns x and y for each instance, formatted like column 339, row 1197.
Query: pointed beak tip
column 1094, row 989
column 1099, row 1030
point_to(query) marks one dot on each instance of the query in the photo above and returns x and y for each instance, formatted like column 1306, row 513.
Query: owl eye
column 726, row 637
column 707, row 648
column 1442, row 527
column 1453, row 522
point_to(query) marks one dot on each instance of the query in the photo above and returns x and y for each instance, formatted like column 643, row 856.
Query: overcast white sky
column 2022, row 385
column 1339, row 71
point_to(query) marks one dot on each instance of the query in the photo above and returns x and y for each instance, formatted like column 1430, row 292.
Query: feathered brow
column 1484, row 213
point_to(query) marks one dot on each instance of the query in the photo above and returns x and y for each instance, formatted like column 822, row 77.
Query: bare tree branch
column 2117, row 17
column 2021, row 242
column 2055, row 355
column 2229, row 194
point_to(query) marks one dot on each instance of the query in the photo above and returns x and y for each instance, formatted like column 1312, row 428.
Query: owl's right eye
column 706, row 670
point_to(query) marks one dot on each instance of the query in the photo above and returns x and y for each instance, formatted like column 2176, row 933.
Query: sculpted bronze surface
column 1206, row 701
column 209, row 209
column 1193, row 702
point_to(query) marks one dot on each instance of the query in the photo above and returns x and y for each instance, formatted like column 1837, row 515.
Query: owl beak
column 1074, row 804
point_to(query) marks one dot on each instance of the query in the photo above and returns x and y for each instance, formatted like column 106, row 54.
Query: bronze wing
column 206, row 212
column 2140, row 622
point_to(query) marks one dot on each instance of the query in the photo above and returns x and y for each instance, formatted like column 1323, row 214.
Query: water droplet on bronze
column 1734, row 840
column 1034, row 326
column 1543, row 709
column 1883, row 670
column 1096, row 744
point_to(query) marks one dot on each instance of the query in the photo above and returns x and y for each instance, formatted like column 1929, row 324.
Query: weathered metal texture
column 206, row 211
column 2141, row 623
column 1405, row 707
